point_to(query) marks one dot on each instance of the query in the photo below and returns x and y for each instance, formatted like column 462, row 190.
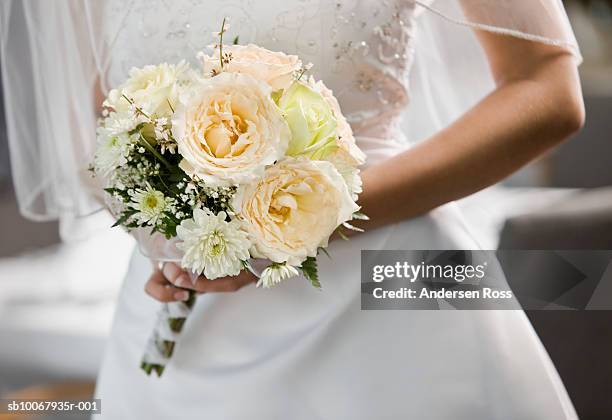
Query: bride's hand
column 172, row 283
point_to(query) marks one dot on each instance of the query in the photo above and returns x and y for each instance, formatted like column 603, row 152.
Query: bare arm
column 536, row 105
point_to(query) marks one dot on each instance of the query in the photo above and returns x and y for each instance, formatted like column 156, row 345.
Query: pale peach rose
column 293, row 209
column 229, row 129
column 274, row 68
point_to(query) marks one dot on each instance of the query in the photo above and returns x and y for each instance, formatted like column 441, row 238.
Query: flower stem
column 154, row 152
column 221, row 42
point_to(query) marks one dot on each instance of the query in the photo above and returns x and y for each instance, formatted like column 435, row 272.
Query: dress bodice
column 361, row 49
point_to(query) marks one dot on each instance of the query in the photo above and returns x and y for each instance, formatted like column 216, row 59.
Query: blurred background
column 54, row 320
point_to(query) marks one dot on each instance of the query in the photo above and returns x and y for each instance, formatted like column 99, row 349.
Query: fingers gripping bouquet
column 244, row 158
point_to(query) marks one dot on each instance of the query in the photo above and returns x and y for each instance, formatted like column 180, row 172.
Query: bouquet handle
column 170, row 321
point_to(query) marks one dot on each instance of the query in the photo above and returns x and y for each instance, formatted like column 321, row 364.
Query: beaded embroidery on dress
column 362, row 49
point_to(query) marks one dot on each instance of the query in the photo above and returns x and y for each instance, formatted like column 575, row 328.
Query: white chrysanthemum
column 111, row 152
column 276, row 273
column 149, row 203
column 212, row 245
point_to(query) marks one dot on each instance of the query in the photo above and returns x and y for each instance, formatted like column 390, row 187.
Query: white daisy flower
column 212, row 245
column 150, row 204
column 112, row 151
column 276, row 273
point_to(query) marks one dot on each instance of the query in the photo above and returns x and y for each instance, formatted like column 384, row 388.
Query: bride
column 483, row 87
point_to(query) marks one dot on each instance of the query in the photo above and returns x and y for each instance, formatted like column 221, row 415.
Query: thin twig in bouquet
column 221, row 42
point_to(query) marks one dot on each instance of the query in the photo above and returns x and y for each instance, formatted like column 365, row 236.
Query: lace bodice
column 362, row 49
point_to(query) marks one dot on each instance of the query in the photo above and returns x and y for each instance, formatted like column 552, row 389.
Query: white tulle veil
column 451, row 73
column 53, row 61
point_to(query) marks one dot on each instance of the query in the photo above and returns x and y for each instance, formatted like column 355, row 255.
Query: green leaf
column 177, row 176
column 310, row 271
column 123, row 219
column 236, row 40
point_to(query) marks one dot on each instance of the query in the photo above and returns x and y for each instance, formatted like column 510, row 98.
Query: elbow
column 572, row 117
column 567, row 104
column 564, row 114
column 561, row 98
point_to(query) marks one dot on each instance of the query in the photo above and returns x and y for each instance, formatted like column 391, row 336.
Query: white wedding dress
column 293, row 352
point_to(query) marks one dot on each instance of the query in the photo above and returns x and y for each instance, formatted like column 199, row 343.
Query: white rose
column 293, row 209
column 346, row 140
column 154, row 88
column 311, row 120
column 229, row 130
column 274, row 68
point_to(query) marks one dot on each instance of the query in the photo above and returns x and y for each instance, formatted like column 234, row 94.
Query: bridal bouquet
column 243, row 158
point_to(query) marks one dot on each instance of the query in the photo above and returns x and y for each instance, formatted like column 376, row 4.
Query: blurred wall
column 586, row 160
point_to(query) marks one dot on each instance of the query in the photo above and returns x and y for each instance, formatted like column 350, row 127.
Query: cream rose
column 229, row 130
column 154, row 88
column 274, row 68
column 293, row 209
